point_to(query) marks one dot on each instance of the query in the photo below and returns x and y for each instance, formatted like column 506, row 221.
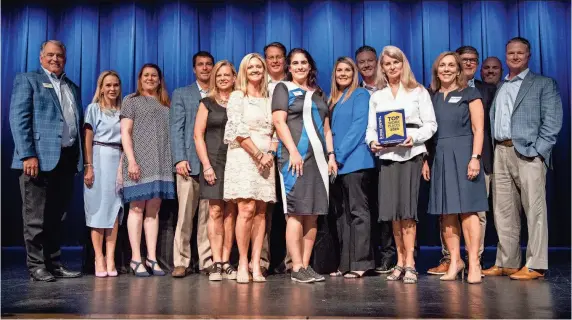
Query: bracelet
column 88, row 165
column 331, row 153
column 272, row 152
column 205, row 171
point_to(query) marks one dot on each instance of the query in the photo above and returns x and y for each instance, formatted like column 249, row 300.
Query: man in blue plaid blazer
column 46, row 117
column 526, row 117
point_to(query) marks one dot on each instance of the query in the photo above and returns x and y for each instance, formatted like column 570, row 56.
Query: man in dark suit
column 470, row 59
column 46, row 116
column 526, row 117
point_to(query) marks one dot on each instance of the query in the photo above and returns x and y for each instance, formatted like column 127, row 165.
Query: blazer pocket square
column 48, row 85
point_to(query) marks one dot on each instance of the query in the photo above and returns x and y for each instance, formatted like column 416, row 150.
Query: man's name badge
column 47, row 85
column 391, row 128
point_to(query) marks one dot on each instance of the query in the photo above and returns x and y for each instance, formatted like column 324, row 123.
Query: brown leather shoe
column 526, row 274
column 179, row 272
column 496, row 271
column 440, row 269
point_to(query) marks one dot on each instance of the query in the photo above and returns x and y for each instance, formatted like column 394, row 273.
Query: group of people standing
column 232, row 144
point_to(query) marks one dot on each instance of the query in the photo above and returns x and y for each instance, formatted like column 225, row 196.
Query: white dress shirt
column 370, row 89
column 418, row 110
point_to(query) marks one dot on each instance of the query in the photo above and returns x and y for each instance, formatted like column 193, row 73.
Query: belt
column 109, row 144
column 506, row 143
column 413, row 126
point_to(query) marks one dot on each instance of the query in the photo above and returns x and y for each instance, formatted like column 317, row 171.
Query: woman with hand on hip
column 249, row 171
column 209, row 132
column 102, row 202
column 305, row 158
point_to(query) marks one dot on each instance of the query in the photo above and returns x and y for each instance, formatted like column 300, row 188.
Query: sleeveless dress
column 307, row 111
column 451, row 192
column 102, row 202
column 216, row 149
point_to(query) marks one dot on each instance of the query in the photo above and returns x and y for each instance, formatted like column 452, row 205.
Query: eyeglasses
column 275, row 58
column 470, row 60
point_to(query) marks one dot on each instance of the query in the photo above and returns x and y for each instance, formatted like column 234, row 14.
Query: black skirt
column 398, row 191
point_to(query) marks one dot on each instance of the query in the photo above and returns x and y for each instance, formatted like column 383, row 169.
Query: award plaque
column 391, row 128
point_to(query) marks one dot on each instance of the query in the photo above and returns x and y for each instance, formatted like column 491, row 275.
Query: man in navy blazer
column 46, row 117
column 526, row 117
column 183, row 111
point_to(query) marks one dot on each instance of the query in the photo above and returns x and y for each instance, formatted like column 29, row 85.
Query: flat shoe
column 258, row 278
column 352, row 275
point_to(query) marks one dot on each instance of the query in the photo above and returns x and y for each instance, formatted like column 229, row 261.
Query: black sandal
column 393, row 277
column 410, row 280
column 228, row 271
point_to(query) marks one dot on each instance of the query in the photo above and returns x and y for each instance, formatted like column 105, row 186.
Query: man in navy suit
column 45, row 118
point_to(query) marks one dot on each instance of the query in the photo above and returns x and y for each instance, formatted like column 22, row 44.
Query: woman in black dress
column 209, row 132
column 457, row 181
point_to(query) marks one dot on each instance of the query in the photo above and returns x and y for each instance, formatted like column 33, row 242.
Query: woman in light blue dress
column 102, row 202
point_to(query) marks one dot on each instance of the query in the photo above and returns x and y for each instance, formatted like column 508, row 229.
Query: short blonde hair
column 98, row 96
column 242, row 78
column 461, row 80
column 213, row 90
column 335, row 92
column 407, row 77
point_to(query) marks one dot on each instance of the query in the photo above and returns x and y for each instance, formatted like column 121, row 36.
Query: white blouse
column 418, row 110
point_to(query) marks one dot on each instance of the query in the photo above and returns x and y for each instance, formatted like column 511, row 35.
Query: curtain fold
column 123, row 35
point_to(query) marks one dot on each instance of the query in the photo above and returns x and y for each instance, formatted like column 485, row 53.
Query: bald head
column 491, row 70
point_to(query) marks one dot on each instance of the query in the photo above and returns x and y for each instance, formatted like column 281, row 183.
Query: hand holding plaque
column 391, row 128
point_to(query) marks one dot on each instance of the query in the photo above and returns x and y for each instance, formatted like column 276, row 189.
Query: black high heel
column 137, row 273
column 152, row 266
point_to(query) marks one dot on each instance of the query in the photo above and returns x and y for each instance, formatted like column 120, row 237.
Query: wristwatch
column 476, row 156
column 272, row 152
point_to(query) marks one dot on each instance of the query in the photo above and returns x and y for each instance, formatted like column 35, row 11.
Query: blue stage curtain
column 123, row 35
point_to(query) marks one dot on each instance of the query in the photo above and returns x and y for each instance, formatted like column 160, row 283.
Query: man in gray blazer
column 46, row 116
column 184, row 107
column 526, row 117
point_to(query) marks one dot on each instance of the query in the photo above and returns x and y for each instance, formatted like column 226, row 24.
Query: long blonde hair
column 162, row 93
column 242, row 78
column 335, row 92
column 461, row 80
column 213, row 90
column 98, row 96
column 407, row 78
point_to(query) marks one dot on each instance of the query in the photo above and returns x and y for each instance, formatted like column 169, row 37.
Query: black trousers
column 382, row 232
column 45, row 200
column 354, row 220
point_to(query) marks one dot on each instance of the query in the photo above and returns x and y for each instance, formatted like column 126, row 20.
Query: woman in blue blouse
column 349, row 106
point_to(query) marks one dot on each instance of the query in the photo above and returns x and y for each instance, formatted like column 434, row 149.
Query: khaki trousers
column 188, row 196
column 520, row 182
column 482, row 221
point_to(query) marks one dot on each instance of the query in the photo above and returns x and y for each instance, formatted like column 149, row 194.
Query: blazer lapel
column 524, row 87
column 45, row 79
column 337, row 107
column 195, row 93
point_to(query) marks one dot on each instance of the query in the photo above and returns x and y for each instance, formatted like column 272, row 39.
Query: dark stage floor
column 195, row 296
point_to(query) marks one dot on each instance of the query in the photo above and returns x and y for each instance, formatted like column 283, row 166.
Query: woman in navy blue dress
column 457, row 181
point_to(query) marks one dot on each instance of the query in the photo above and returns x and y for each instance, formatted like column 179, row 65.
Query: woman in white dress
column 102, row 145
column 249, row 172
